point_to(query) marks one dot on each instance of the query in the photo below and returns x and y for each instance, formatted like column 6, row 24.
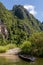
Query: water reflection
column 15, row 60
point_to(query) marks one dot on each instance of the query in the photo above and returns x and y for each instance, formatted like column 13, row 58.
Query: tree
column 37, row 43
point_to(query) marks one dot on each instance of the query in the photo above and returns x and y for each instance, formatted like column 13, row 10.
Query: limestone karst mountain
column 19, row 22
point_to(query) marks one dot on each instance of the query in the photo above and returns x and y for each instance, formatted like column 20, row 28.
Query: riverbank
column 11, row 53
column 9, row 56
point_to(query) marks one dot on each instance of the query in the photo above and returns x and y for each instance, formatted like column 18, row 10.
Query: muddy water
column 15, row 60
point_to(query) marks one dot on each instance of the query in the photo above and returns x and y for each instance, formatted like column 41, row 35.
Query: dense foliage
column 35, row 46
column 19, row 23
column 21, row 27
column 26, row 47
column 37, row 43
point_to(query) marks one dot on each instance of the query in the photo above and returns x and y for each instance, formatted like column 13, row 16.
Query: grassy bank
column 7, row 47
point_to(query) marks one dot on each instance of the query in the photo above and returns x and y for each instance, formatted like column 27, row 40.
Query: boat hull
column 32, row 59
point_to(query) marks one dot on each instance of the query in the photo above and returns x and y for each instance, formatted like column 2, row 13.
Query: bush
column 2, row 49
column 26, row 46
column 37, row 39
column 7, row 47
column 11, row 46
column 37, row 43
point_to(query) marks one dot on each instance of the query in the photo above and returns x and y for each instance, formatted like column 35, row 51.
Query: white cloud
column 31, row 9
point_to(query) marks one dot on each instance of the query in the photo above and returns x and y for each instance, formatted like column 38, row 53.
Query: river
column 15, row 60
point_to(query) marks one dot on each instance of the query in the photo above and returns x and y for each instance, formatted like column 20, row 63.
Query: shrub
column 2, row 49
column 11, row 46
column 37, row 39
column 37, row 43
column 7, row 47
column 26, row 46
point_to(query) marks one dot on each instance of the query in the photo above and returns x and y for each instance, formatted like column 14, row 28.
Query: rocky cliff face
column 3, row 29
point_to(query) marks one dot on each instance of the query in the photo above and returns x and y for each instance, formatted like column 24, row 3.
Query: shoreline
column 11, row 53
column 9, row 56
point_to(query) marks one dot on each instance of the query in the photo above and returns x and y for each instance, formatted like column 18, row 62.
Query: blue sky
column 35, row 7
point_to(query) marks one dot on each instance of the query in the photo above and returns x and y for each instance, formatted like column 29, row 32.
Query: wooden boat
column 27, row 58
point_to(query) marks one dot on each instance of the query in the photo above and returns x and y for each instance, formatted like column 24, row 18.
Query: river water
column 17, row 61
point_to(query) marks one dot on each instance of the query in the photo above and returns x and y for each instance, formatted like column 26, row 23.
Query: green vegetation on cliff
column 19, row 23
column 18, row 26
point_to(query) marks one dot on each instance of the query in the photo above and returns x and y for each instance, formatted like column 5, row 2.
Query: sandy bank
column 11, row 54
column 7, row 56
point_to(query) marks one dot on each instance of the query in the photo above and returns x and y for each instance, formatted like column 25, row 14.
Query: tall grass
column 3, row 49
column 7, row 47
